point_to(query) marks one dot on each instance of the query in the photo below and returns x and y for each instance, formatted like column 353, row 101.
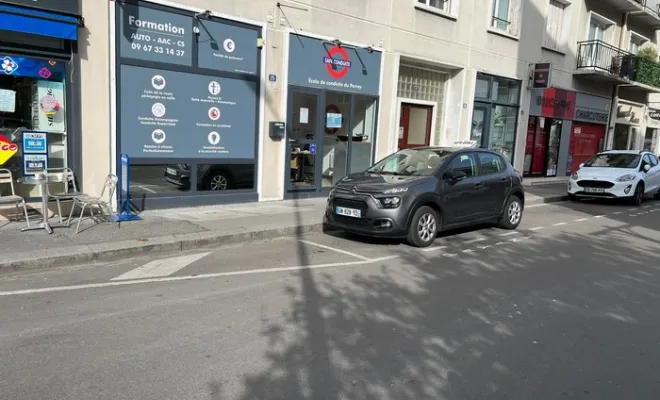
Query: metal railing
column 597, row 55
column 652, row 6
column 601, row 56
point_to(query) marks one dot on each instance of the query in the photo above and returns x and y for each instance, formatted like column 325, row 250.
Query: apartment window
column 505, row 16
column 442, row 7
column 555, row 20
column 637, row 41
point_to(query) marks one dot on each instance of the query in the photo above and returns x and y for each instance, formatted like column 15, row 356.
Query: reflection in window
column 220, row 177
column 364, row 131
column 505, row 91
column 153, row 179
column 503, row 130
column 335, row 137
column 490, row 164
column 464, row 163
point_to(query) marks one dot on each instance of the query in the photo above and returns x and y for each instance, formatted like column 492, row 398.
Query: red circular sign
column 341, row 71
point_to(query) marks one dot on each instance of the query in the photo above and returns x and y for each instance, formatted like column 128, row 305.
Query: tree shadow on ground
column 570, row 316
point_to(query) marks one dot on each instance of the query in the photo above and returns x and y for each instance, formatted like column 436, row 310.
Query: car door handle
column 478, row 185
column 503, row 180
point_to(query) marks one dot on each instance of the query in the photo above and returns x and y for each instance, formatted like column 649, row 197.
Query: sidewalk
column 167, row 231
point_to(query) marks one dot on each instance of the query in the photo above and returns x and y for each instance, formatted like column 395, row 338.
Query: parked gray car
column 416, row 193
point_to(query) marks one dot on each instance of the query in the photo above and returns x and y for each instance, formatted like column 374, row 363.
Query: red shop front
column 586, row 140
column 550, row 110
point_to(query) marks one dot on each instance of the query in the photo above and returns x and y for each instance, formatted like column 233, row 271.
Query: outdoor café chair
column 69, row 188
column 85, row 201
column 6, row 177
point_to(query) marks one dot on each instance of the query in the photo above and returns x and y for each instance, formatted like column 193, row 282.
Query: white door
column 653, row 176
column 595, row 50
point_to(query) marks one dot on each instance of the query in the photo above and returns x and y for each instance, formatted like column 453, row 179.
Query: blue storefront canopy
column 37, row 22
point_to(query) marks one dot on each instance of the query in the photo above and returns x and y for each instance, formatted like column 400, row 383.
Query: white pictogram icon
column 158, row 110
column 214, row 138
column 158, row 136
column 214, row 113
column 214, row 88
column 229, row 45
column 158, row 82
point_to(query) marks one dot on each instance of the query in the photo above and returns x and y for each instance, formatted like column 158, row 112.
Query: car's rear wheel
column 218, row 180
column 512, row 214
column 638, row 197
column 572, row 197
column 424, row 227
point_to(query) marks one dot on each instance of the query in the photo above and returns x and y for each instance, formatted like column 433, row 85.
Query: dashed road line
column 599, row 216
column 536, row 228
column 580, row 220
column 562, row 223
column 475, row 240
column 434, row 248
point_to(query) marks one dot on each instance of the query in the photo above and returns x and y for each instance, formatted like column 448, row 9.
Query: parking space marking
column 195, row 277
column 599, row 216
column 564, row 223
column 580, row 219
column 434, row 248
column 330, row 248
column 509, row 233
column 536, row 228
column 160, row 268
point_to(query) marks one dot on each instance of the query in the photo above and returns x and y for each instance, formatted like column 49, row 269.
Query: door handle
column 504, row 180
column 478, row 185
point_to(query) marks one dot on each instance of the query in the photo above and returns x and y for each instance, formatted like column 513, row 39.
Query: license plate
column 348, row 212
column 170, row 171
column 594, row 190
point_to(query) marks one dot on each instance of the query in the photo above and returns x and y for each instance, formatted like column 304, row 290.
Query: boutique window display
column 33, row 131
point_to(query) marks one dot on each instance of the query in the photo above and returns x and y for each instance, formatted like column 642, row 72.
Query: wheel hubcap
column 514, row 213
column 218, row 182
column 426, row 227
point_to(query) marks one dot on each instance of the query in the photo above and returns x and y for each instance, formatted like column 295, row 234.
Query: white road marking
column 475, row 240
column 536, row 228
column 519, row 239
column 484, row 247
column 193, row 277
column 599, row 216
column 616, row 212
column 468, row 251
column 563, row 223
column 537, row 205
column 449, row 255
column 509, row 233
column 499, row 243
column 348, row 253
column 434, row 248
column 160, row 268
column 146, row 189
column 578, row 220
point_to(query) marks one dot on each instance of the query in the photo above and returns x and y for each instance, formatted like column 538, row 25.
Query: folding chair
column 6, row 177
column 85, row 201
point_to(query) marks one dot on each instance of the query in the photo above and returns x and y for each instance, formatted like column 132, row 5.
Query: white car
column 615, row 174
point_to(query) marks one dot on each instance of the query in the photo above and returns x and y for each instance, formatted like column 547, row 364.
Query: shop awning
column 38, row 22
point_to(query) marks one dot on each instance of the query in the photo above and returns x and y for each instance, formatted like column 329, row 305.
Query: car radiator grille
column 595, row 184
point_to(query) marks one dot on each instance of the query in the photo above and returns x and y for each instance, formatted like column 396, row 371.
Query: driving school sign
column 321, row 64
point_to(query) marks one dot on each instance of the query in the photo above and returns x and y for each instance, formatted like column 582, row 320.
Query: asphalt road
column 566, row 307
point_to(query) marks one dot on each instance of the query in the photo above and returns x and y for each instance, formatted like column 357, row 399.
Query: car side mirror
column 581, row 165
column 646, row 167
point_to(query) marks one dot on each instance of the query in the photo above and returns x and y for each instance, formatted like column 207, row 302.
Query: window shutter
column 514, row 17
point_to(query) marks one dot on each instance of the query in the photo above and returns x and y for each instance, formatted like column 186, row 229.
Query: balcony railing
column 597, row 55
column 651, row 6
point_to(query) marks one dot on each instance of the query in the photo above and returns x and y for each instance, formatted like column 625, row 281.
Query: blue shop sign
column 228, row 47
column 35, row 142
column 320, row 64
column 31, row 67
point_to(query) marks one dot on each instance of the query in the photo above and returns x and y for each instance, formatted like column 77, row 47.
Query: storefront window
column 364, row 131
column 495, row 117
column 33, row 116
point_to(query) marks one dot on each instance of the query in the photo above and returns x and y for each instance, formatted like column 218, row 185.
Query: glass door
column 335, row 139
column 480, row 124
column 302, row 135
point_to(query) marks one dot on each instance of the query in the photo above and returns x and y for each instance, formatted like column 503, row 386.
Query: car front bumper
column 617, row 190
column 375, row 221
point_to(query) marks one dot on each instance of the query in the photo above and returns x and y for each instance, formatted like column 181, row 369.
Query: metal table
column 43, row 185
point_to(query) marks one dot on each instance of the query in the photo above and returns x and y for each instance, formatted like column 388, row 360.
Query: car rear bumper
column 618, row 190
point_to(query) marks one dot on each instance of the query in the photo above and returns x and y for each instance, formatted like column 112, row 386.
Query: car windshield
column 614, row 160
column 411, row 162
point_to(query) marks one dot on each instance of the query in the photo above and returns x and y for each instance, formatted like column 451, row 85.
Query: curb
column 103, row 252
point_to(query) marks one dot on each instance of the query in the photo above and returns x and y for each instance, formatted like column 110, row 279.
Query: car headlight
column 396, row 190
column 390, row 201
column 331, row 194
column 626, row 178
column 574, row 176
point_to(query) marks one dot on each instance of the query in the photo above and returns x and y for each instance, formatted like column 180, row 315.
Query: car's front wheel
column 638, row 197
column 219, row 180
column 424, row 227
column 512, row 214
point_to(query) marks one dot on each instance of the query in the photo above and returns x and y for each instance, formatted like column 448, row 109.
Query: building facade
column 235, row 101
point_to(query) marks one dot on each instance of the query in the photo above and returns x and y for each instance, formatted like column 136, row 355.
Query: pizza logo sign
column 337, row 67
column 7, row 150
